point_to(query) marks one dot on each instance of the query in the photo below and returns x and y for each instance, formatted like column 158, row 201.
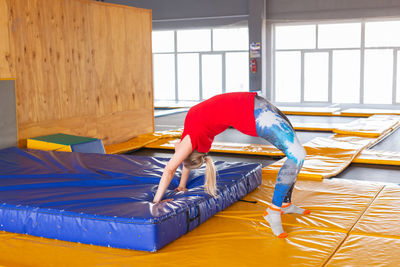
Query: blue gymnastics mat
column 106, row 200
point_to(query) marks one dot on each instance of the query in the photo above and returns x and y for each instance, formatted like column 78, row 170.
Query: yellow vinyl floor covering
column 371, row 156
column 373, row 126
column 360, row 112
column 141, row 141
column 336, row 111
column 375, row 238
column 351, row 224
column 314, row 111
column 316, row 126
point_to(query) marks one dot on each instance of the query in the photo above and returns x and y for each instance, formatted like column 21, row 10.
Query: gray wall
column 275, row 9
column 257, row 33
column 173, row 14
column 8, row 121
column 331, row 9
column 178, row 9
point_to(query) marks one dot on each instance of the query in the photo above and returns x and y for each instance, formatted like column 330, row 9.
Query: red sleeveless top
column 213, row 116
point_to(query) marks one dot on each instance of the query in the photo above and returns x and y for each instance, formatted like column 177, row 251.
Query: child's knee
column 301, row 154
column 298, row 155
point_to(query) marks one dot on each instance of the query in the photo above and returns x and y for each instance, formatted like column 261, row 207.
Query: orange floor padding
column 364, row 251
column 362, row 112
column 371, row 156
column 316, row 126
column 335, row 204
column 311, row 111
column 239, row 236
column 382, row 218
column 141, row 141
column 373, row 126
column 218, row 242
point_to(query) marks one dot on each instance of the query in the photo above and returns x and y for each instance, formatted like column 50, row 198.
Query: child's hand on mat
column 180, row 189
column 164, row 200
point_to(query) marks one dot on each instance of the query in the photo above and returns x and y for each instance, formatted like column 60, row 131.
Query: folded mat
column 372, row 156
column 374, row 126
column 107, row 199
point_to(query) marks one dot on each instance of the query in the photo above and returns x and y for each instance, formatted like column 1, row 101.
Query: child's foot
column 291, row 208
column 273, row 217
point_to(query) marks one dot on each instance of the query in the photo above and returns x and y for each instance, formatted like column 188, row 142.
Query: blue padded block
column 106, row 200
column 95, row 146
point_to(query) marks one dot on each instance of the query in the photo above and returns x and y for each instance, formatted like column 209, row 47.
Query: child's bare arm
column 182, row 151
column 184, row 179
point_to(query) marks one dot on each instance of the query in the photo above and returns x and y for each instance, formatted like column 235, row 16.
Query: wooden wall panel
column 116, row 59
column 6, row 70
column 82, row 67
column 136, row 120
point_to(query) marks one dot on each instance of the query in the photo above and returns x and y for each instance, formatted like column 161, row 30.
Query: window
column 197, row 64
column 236, row 71
column 230, row 39
column 288, row 76
column 295, row 37
column 194, row 40
column 163, row 41
column 378, row 76
column 346, row 76
column 382, row 34
column 211, row 78
column 398, row 78
column 355, row 62
column 164, row 76
column 346, row 35
column 188, row 76
column 316, row 76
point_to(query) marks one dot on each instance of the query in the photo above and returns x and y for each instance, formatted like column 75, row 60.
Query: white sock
column 291, row 208
column 273, row 217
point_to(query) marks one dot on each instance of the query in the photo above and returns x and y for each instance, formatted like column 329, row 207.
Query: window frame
column 362, row 49
column 200, row 53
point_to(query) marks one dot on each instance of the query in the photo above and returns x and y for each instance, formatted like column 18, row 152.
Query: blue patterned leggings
column 274, row 126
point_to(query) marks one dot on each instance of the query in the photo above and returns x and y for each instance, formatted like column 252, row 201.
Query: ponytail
column 194, row 161
column 210, row 185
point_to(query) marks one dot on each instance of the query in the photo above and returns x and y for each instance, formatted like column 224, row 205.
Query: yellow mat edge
column 376, row 161
column 120, row 148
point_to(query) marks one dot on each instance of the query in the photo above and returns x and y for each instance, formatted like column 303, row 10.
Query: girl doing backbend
column 251, row 115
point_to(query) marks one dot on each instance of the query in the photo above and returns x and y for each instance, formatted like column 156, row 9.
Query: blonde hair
column 194, row 161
